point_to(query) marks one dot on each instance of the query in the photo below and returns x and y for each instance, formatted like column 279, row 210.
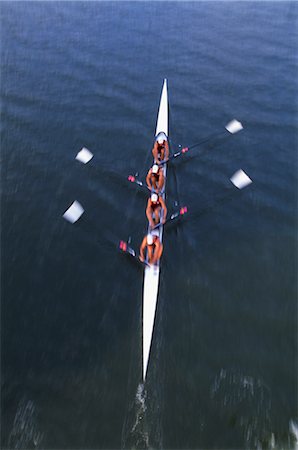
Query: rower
column 156, row 210
column 154, row 248
column 160, row 149
column 155, row 178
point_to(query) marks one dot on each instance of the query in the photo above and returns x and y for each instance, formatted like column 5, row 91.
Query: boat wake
column 294, row 433
column 245, row 403
column 134, row 433
column 25, row 432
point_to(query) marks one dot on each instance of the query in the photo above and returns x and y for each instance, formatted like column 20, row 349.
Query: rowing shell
column 151, row 273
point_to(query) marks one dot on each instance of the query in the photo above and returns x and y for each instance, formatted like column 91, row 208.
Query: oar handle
column 133, row 179
column 125, row 248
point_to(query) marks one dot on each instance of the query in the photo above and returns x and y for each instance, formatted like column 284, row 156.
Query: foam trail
column 294, row 431
column 25, row 432
column 135, row 434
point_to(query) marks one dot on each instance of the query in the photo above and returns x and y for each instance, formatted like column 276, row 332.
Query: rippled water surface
column 223, row 368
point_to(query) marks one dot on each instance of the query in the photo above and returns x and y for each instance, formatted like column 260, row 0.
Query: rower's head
column 161, row 137
column 155, row 169
column 154, row 198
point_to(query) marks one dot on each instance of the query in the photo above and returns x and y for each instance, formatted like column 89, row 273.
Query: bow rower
column 154, row 247
column 160, row 149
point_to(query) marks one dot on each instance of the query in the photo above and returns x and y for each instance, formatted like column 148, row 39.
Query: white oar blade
column 234, row 126
column 74, row 212
column 240, row 179
column 84, row 156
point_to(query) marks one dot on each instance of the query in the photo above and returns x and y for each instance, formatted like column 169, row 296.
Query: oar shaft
column 232, row 127
column 186, row 149
column 181, row 212
column 204, row 141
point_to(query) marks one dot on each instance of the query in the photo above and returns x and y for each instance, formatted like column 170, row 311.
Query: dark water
column 223, row 372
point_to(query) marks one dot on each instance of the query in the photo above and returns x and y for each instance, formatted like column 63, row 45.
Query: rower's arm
column 157, row 252
column 155, row 151
column 161, row 180
column 149, row 214
column 142, row 249
column 148, row 180
column 167, row 150
column 165, row 211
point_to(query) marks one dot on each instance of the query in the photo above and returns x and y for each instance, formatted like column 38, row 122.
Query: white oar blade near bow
column 74, row 212
column 234, row 126
column 240, row 179
column 84, row 156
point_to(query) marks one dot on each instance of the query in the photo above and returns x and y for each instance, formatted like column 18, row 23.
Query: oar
column 84, row 156
column 75, row 211
column 73, row 214
column 232, row 127
column 125, row 248
column 183, row 210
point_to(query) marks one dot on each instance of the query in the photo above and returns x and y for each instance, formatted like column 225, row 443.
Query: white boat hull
column 151, row 275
